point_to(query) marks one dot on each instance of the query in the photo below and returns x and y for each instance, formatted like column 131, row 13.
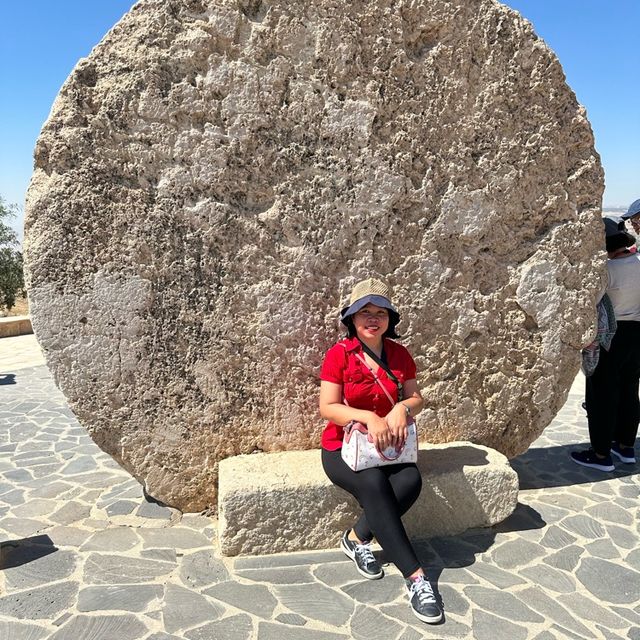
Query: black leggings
column 385, row 494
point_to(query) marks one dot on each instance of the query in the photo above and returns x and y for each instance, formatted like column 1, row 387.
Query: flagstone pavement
column 84, row 556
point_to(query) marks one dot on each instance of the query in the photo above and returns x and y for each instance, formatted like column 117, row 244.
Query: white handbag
column 358, row 450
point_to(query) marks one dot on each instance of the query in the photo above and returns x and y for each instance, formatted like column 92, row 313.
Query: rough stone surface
column 585, row 608
column 370, row 594
column 43, row 603
column 598, row 576
column 271, row 631
column 255, row 599
column 496, row 576
column 178, row 537
column 201, row 569
column 124, row 597
column 217, row 174
column 548, row 607
column 501, row 603
column 464, row 486
column 551, row 579
column 31, row 566
column 113, row 569
column 317, row 602
column 237, row 627
column 286, row 575
column 182, row 608
column 403, row 613
column 122, row 626
column 489, row 627
column 366, row 624
column 292, row 619
column 11, row 631
column 114, row 539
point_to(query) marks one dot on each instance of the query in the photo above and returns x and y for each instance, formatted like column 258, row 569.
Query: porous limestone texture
column 276, row 502
column 216, row 175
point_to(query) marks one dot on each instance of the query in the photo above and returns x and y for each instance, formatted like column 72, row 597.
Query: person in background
column 613, row 407
column 633, row 216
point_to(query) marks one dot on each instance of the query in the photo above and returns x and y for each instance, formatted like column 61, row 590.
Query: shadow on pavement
column 7, row 378
column 460, row 551
column 548, row 467
column 15, row 553
column 454, row 552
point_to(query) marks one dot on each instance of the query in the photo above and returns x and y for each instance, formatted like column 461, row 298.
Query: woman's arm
column 332, row 408
column 412, row 397
column 398, row 416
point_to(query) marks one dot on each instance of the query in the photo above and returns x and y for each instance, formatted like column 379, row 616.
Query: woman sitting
column 350, row 391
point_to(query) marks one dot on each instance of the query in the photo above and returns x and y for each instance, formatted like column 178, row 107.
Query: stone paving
column 86, row 557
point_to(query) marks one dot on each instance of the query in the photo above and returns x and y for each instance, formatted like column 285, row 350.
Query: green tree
column 11, row 274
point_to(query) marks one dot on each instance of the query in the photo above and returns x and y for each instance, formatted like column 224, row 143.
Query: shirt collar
column 353, row 344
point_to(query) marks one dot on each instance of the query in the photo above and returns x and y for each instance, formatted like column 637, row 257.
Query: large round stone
column 216, row 175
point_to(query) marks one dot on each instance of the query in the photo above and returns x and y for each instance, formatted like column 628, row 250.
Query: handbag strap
column 392, row 377
column 381, row 362
column 386, row 393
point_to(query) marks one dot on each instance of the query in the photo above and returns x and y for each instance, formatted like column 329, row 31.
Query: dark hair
column 619, row 241
column 394, row 319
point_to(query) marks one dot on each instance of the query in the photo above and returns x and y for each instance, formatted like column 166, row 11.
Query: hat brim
column 379, row 301
column 633, row 210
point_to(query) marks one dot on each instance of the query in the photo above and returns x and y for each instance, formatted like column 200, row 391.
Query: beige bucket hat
column 370, row 291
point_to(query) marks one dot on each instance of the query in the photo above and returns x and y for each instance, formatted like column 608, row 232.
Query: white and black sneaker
column 362, row 555
column 422, row 600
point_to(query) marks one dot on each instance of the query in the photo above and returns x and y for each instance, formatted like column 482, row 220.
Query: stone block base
column 279, row 502
column 15, row 326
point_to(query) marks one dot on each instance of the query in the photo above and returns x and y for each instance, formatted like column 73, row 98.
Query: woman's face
column 371, row 322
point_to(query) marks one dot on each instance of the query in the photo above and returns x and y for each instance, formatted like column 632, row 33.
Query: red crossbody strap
column 344, row 346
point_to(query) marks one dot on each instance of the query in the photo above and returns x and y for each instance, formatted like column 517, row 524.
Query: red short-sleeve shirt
column 359, row 388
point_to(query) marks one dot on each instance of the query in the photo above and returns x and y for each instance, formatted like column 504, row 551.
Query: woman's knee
column 410, row 476
column 338, row 472
column 373, row 481
column 409, row 482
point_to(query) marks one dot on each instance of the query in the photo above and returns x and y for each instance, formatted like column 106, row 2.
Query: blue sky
column 596, row 42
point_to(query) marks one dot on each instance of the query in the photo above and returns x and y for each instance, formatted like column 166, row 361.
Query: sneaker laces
column 364, row 553
column 422, row 588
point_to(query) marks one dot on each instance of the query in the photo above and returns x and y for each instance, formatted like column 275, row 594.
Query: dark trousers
column 385, row 494
column 613, row 408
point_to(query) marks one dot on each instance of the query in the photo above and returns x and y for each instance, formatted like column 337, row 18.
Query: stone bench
column 15, row 326
column 281, row 502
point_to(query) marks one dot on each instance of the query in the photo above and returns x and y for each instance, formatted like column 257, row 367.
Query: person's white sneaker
column 422, row 600
column 361, row 554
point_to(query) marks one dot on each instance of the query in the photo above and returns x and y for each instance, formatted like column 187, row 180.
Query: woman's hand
column 397, row 421
column 379, row 431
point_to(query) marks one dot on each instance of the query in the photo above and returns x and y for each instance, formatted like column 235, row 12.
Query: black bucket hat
column 615, row 235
